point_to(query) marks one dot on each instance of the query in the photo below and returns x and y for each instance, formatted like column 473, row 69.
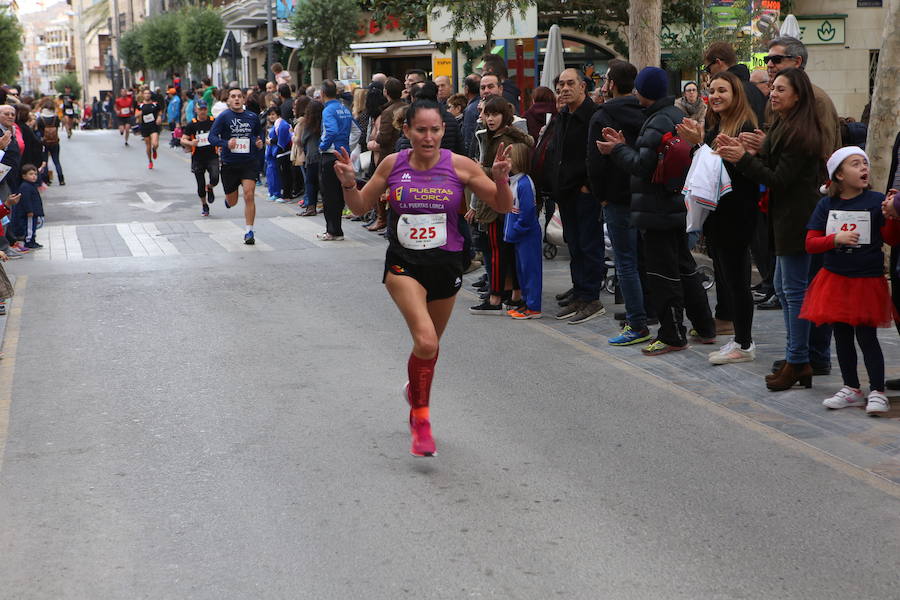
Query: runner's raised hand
column 501, row 167
column 343, row 168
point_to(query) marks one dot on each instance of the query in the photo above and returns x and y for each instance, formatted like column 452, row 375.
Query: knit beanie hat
column 652, row 83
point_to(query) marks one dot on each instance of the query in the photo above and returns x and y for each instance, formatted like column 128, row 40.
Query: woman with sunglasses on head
column 730, row 228
column 423, row 267
column 790, row 163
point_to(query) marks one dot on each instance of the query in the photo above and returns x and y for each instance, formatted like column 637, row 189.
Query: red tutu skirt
column 833, row 298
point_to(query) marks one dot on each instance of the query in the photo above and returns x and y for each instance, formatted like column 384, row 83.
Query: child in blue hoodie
column 524, row 231
column 273, row 178
column 28, row 214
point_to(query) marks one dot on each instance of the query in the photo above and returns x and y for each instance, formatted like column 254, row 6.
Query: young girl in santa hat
column 851, row 291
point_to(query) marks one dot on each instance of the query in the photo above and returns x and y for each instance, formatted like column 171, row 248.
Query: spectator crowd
column 750, row 168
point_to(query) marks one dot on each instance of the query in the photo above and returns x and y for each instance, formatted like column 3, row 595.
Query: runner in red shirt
column 125, row 113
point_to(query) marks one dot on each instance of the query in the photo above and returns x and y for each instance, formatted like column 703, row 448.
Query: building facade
column 843, row 38
column 93, row 51
column 47, row 53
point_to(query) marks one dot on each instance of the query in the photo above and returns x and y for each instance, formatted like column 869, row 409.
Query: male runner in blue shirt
column 237, row 132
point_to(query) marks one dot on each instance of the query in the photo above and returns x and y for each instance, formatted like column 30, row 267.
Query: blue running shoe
column 629, row 336
column 248, row 238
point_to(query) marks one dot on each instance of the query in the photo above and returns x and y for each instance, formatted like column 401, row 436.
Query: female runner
column 149, row 118
column 423, row 268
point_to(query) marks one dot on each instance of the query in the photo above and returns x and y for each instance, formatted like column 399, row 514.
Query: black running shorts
column 234, row 173
column 440, row 280
column 148, row 130
column 120, row 121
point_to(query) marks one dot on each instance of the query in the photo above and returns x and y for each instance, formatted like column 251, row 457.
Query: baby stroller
column 553, row 236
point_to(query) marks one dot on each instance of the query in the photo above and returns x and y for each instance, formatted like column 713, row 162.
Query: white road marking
column 167, row 247
column 229, row 236
column 73, row 246
column 52, row 238
column 150, row 204
column 131, row 240
column 307, row 229
column 145, row 239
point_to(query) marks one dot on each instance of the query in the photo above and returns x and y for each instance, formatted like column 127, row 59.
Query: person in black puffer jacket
column 672, row 276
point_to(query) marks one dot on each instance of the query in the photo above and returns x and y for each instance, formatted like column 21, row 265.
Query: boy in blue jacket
column 523, row 229
column 28, row 214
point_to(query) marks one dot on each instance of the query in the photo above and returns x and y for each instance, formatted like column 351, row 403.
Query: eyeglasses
column 707, row 68
column 776, row 58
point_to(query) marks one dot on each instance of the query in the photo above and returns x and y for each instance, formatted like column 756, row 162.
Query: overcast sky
column 27, row 6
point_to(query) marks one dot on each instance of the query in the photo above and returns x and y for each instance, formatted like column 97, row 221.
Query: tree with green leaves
column 95, row 18
column 161, row 42
column 411, row 15
column 600, row 18
column 131, row 49
column 68, row 80
column 480, row 16
column 325, row 29
column 10, row 46
column 202, row 32
column 699, row 27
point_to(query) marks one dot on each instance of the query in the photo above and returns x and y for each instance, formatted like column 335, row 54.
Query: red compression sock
column 421, row 372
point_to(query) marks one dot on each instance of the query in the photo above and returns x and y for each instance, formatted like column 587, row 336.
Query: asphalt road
column 212, row 421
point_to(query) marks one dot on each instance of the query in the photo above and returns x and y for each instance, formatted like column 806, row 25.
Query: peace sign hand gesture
column 501, row 167
column 343, row 168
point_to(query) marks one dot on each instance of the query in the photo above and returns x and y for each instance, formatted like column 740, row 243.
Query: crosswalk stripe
column 73, row 246
column 61, row 242
column 167, row 247
column 131, row 240
column 53, row 242
column 306, row 229
column 229, row 236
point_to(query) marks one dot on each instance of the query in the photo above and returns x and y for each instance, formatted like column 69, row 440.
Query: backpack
column 538, row 160
column 51, row 132
column 673, row 164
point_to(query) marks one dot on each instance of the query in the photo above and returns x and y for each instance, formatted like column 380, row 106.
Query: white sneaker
column 725, row 348
column 878, row 403
column 734, row 354
column 845, row 398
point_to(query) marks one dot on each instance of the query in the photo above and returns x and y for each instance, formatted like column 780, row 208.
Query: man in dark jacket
column 388, row 134
column 671, row 271
column 495, row 65
column 472, row 91
column 612, row 189
column 578, row 209
column 489, row 85
column 452, row 139
column 720, row 56
column 387, row 137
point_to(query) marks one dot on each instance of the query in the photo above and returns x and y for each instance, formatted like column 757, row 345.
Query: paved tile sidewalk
column 849, row 434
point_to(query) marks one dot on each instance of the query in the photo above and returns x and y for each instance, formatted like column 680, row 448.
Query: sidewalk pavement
column 849, row 434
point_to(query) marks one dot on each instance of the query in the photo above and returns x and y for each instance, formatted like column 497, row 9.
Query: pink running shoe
column 422, row 442
column 420, row 429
